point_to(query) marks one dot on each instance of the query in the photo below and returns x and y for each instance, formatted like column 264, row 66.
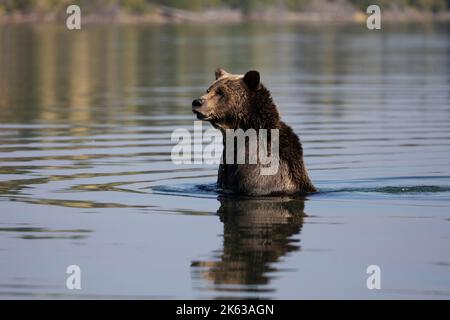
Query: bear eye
column 208, row 91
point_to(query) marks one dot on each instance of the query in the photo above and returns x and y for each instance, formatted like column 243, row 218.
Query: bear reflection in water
column 257, row 233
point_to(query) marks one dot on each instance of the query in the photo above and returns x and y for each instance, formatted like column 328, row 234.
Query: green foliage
column 423, row 5
column 191, row 4
column 18, row 5
column 141, row 6
column 297, row 4
column 430, row 5
column 134, row 6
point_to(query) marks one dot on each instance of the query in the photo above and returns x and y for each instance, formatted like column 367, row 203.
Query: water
column 86, row 177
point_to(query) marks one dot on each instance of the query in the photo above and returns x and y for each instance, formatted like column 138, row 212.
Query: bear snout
column 198, row 102
column 197, row 105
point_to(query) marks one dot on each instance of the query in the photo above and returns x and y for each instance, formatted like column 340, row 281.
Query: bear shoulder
column 291, row 152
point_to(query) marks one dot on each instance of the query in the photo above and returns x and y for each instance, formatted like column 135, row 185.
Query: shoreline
column 228, row 16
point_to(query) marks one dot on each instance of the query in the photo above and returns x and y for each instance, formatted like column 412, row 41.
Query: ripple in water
column 211, row 190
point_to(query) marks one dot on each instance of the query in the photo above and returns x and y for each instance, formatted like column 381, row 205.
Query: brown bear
column 242, row 102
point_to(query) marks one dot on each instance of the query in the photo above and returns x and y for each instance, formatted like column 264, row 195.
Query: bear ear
column 220, row 73
column 252, row 79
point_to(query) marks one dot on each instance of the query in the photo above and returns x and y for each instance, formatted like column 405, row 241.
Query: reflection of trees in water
column 51, row 75
column 257, row 233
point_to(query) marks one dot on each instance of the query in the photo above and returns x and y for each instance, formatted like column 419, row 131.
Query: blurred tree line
column 142, row 6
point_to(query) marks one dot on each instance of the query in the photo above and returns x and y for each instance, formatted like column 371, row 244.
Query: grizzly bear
column 242, row 102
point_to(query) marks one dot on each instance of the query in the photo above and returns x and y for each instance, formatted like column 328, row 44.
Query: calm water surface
column 86, row 176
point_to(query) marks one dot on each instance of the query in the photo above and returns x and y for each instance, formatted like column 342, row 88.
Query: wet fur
column 236, row 102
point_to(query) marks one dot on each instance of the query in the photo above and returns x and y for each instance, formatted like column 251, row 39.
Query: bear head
column 236, row 102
